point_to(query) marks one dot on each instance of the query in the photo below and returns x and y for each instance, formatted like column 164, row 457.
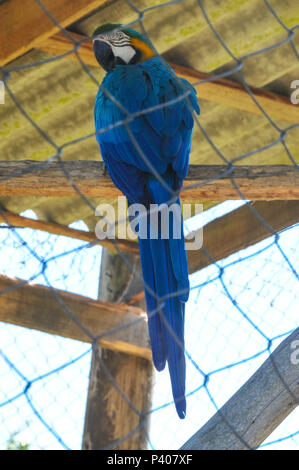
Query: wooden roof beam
column 221, row 91
column 54, row 228
column 222, row 237
column 37, row 307
column 24, row 24
column 242, row 228
column 238, row 230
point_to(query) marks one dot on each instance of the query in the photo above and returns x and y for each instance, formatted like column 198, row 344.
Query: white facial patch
column 126, row 53
column 119, row 43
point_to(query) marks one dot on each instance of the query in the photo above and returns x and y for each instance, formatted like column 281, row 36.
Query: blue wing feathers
column 164, row 138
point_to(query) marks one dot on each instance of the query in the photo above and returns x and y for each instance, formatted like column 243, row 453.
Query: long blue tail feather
column 165, row 273
column 154, row 321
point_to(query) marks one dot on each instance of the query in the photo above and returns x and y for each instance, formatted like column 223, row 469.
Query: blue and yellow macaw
column 147, row 159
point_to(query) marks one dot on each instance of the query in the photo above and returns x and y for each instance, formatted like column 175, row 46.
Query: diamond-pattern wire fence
column 239, row 309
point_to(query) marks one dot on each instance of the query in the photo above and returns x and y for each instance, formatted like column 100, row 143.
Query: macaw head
column 115, row 45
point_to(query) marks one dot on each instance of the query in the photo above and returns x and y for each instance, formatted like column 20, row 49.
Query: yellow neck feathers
column 146, row 51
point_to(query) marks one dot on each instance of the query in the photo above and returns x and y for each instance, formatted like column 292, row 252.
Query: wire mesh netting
column 240, row 308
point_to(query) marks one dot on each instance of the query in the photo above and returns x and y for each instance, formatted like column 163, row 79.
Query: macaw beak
column 104, row 55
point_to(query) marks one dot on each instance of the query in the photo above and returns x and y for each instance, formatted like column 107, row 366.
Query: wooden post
column 119, row 394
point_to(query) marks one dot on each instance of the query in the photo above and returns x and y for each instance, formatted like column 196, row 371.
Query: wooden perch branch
column 203, row 182
column 257, row 408
column 220, row 91
column 36, row 307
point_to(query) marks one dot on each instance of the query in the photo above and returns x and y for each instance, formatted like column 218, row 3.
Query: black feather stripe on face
column 136, row 57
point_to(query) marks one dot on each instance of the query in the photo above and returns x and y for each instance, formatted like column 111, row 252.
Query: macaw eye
column 119, row 38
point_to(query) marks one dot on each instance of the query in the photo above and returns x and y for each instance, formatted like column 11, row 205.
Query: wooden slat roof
column 59, row 95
